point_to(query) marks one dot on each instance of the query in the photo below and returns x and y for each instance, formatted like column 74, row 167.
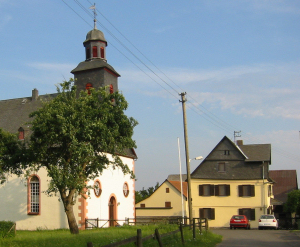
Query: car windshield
column 266, row 217
column 238, row 217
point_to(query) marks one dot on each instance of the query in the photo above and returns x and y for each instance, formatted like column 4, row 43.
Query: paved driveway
column 258, row 238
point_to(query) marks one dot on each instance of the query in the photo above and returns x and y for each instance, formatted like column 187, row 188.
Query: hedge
column 7, row 229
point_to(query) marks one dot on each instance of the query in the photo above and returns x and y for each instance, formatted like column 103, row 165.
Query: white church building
column 23, row 199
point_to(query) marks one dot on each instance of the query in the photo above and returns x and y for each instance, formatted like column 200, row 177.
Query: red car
column 239, row 221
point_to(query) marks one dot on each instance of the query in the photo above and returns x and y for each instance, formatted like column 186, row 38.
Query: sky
column 237, row 61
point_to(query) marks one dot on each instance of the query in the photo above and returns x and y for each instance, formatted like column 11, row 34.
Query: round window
column 97, row 188
column 125, row 189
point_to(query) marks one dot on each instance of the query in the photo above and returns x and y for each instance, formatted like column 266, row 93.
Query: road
column 258, row 238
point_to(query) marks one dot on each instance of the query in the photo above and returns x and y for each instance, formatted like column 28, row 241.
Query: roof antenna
column 94, row 10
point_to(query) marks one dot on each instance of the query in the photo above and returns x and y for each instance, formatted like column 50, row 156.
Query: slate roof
column 285, row 182
column 257, row 152
column 14, row 113
column 176, row 177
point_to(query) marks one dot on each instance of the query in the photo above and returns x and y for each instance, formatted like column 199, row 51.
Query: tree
column 11, row 151
column 292, row 204
column 71, row 136
column 143, row 194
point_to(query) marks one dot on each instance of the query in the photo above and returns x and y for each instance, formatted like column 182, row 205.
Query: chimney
column 35, row 94
column 239, row 142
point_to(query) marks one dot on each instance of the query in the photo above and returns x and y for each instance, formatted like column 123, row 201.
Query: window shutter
column 252, row 214
column 227, row 189
column 201, row 212
column 217, row 193
column 212, row 189
column 212, row 213
column 200, row 190
column 252, row 190
column 240, row 190
column 95, row 52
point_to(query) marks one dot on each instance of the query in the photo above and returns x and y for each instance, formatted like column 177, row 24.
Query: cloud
column 259, row 90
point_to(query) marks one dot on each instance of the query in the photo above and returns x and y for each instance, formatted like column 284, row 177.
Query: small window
column 102, row 52
column 221, row 167
column 270, row 192
column 21, row 133
column 95, row 52
column 143, row 205
column 208, row 213
column 88, row 87
column 206, row 190
column 97, row 188
column 167, row 204
column 125, row 189
column 226, row 152
column 222, row 190
column 111, row 89
column 87, row 53
column 167, row 190
column 246, row 190
column 250, row 213
column 34, row 195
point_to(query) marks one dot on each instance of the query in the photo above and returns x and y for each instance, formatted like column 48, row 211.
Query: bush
column 7, row 229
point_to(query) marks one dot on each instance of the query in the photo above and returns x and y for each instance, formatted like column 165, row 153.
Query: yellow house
column 232, row 179
column 167, row 201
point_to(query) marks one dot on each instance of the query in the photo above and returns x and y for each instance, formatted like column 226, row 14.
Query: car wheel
column 249, row 227
column 230, row 227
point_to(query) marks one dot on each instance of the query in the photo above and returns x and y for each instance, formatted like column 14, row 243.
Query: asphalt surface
column 258, row 238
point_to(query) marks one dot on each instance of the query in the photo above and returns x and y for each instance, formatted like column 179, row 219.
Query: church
column 23, row 200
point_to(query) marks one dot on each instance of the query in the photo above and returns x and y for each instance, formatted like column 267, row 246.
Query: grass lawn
column 100, row 237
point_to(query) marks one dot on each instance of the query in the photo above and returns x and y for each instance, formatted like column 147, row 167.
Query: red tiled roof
column 176, row 184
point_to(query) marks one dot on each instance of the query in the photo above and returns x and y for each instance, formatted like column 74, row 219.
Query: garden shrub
column 7, row 229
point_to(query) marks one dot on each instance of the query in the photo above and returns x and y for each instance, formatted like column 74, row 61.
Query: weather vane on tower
column 93, row 7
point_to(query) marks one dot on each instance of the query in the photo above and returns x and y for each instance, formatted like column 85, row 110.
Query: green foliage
column 292, row 204
column 100, row 237
column 7, row 229
column 143, row 194
column 11, row 151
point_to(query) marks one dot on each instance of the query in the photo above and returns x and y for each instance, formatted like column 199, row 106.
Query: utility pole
column 183, row 100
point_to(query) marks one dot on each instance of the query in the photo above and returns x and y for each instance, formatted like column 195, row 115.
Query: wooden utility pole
column 187, row 158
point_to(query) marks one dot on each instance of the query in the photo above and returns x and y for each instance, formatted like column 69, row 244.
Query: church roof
column 93, row 64
column 95, row 35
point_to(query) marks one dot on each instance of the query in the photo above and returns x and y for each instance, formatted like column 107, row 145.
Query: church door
column 112, row 211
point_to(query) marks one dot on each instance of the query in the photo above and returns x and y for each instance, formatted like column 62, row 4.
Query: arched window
column 95, row 53
column 102, row 52
column 88, row 86
column 33, row 206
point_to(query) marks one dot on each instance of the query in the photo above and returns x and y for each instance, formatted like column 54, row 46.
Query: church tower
column 95, row 72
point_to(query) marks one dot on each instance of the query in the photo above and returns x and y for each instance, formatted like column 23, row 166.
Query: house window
column 221, row 167
column 250, row 213
column 270, row 190
column 34, row 195
column 102, row 52
column 222, row 190
column 95, row 53
column 167, row 204
column 167, row 190
column 246, row 190
column 226, row 152
column 111, row 89
column 125, row 189
column 143, row 205
column 206, row 190
column 208, row 213
column 97, row 188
